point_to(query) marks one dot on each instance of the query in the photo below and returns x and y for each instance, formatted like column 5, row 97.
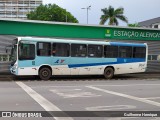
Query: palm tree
column 112, row 15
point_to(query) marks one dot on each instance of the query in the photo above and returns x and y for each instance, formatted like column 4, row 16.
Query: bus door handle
column 130, row 68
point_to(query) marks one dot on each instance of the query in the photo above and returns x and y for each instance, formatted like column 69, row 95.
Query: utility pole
column 66, row 15
column 87, row 8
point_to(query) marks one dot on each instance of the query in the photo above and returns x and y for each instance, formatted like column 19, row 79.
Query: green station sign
column 67, row 30
column 132, row 34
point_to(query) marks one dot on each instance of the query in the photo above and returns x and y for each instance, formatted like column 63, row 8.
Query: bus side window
column 139, row 52
column 110, row 51
column 61, row 49
column 78, row 50
column 43, row 49
column 125, row 52
column 95, row 50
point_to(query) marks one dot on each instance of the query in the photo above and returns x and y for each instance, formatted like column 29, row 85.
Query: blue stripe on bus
column 127, row 44
column 119, row 61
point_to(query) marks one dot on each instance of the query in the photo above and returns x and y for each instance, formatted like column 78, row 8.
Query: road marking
column 151, row 98
column 47, row 86
column 126, row 96
column 73, row 93
column 47, row 105
column 113, row 107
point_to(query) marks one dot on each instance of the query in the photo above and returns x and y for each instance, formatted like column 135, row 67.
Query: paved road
column 81, row 95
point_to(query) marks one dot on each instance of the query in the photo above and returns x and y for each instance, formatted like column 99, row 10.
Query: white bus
column 45, row 57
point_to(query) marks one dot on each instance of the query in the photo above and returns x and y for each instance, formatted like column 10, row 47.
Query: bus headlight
column 14, row 67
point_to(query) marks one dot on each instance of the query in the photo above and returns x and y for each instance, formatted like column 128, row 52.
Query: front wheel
column 45, row 73
column 108, row 73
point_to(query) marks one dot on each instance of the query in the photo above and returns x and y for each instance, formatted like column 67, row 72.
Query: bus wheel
column 45, row 73
column 108, row 73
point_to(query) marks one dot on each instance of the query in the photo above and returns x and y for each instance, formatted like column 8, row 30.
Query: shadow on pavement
column 8, row 77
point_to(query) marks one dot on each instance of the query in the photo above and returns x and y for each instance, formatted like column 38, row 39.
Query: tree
column 51, row 12
column 112, row 15
column 133, row 25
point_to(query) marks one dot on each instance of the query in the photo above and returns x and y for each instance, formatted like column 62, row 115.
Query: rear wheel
column 108, row 73
column 45, row 73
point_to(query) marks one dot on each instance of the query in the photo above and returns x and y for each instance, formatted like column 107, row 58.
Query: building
column 152, row 23
column 14, row 28
column 17, row 8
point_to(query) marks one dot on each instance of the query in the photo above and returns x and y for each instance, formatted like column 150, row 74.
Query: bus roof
column 36, row 39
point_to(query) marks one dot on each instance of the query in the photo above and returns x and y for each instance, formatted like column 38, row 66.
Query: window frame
column 144, row 53
column 78, row 53
column 49, row 50
column 19, row 49
column 69, row 49
column 101, row 46
column 115, row 51
column 127, row 52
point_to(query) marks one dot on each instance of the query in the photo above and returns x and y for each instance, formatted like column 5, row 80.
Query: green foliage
column 112, row 15
column 51, row 12
column 133, row 25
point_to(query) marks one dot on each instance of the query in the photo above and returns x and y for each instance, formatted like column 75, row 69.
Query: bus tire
column 109, row 73
column 45, row 73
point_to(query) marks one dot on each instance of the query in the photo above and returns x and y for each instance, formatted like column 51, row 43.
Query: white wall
column 156, row 24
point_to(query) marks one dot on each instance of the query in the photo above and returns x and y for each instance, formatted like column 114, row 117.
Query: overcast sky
column 134, row 10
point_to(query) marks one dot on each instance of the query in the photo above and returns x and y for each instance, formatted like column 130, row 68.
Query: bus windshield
column 26, row 51
column 14, row 54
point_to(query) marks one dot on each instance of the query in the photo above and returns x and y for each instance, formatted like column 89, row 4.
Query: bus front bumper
column 14, row 70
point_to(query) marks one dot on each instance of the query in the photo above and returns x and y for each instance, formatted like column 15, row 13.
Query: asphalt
column 82, row 98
